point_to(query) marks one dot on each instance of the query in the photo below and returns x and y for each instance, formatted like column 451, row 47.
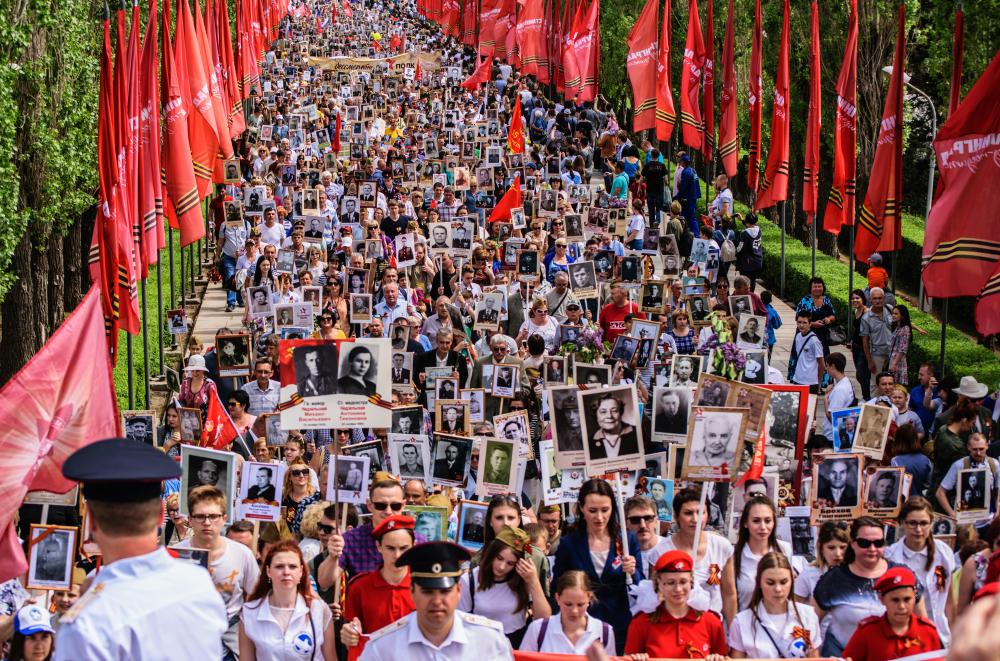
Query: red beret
column 394, row 522
column 896, row 577
column 674, row 561
column 987, row 590
column 993, row 568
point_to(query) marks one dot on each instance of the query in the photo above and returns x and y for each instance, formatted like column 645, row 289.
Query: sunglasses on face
column 868, row 543
column 325, row 529
column 381, row 507
column 299, row 473
column 636, row 520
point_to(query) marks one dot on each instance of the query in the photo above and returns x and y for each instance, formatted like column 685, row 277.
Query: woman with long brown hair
column 505, row 585
column 773, row 625
column 757, row 537
column 282, row 617
column 931, row 561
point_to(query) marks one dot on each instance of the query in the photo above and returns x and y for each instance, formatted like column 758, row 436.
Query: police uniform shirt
column 301, row 639
column 875, row 640
column 145, row 607
column 471, row 637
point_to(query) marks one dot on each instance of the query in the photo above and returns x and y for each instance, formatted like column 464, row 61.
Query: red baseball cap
column 674, row 561
column 895, row 578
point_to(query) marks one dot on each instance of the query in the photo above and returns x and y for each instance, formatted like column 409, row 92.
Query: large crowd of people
column 670, row 493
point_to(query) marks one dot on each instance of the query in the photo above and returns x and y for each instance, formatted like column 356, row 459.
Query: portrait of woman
column 359, row 373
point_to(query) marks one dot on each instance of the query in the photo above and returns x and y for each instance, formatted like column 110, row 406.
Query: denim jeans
column 228, row 271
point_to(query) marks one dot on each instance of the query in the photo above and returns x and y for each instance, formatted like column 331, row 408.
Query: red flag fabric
column 179, row 180
column 248, row 72
column 756, row 468
column 127, row 104
column 335, row 140
column 641, row 64
column 202, row 131
column 237, row 121
column 531, row 44
column 880, row 217
column 480, row 75
column 729, row 150
column 666, row 114
column 151, row 193
column 219, row 106
column 774, row 186
column 510, row 200
column 489, row 10
column 451, row 17
column 587, row 52
column 218, row 430
column 502, row 24
column 708, row 84
column 753, row 97
column 694, row 60
column 572, row 72
column 562, row 34
column 962, row 242
column 62, row 400
column 839, row 208
column 957, row 58
column 810, row 173
column 469, row 23
column 133, row 136
column 515, row 133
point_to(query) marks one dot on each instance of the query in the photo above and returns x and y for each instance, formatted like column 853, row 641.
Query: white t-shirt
column 840, row 398
column 652, row 555
column 718, row 550
column 936, row 580
column 272, row 236
column 498, row 602
column 749, row 634
column 556, row 642
column 809, row 353
column 636, row 224
column 806, row 581
column 747, row 579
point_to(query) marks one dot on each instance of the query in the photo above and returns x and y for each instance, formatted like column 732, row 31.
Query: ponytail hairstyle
column 920, row 504
column 772, row 560
column 744, row 533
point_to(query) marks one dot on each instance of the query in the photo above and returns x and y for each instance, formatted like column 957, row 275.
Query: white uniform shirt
column 498, row 603
column 303, row 639
column 471, row 637
column 748, row 572
column 148, row 607
column 750, row 635
column 717, row 553
column 937, row 597
column 556, row 642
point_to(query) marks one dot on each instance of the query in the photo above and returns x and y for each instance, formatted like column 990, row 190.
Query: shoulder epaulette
column 471, row 618
column 81, row 603
column 389, row 628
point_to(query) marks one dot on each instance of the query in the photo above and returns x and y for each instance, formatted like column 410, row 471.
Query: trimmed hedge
column 963, row 356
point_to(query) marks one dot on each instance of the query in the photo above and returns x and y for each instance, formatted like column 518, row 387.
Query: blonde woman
column 299, row 494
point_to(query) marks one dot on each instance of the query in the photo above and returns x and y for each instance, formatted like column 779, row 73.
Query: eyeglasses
column 636, row 520
column 868, row 543
column 917, row 524
column 299, row 473
column 325, row 529
column 327, row 319
column 381, row 507
column 203, row 518
column 232, row 403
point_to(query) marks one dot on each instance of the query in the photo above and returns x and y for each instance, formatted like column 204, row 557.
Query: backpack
column 727, row 249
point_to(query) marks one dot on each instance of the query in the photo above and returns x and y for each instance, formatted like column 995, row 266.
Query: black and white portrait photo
column 671, row 407
column 582, row 279
column 972, row 491
column 712, row 390
column 405, row 250
column 592, row 376
column 261, row 491
column 883, row 489
column 698, row 308
column 506, row 380
column 360, row 309
column 407, row 420
column 548, row 203
column 739, row 305
column 476, row 397
column 751, row 334
column 452, row 455
column 461, row 238
column 554, row 370
column 373, row 451
column 715, row 439
column 366, row 194
column 140, row 426
column 190, row 423
column 837, row 481
column 402, row 368
column 755, row 368
column 611, row 431
column 350, row 479
column 653, row 295
column 527, row 265
column 574, row 226
column 204, row 467
column 51, row 556
column 440, row 234
column 873, row 430
column 471, row 524
column 357, row 280
column 410, row 457
column 259, row 300
column 315, row 370
column 514, row 426
column 234, row 354
column 488, row 311
column 629, row 269
column 685, row 371
column 624, row 348
column 567, row 430
column 451, row 416
column 177, row 321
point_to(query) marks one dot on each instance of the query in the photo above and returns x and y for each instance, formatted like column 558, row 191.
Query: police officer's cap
column 120, row 471
column 435, row 564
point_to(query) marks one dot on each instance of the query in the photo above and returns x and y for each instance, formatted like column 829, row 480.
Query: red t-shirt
column 612, row 319
column 376, row 604
column 694, row 636
column 874, row 640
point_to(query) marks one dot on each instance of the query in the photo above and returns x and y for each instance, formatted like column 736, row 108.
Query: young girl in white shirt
column 572, row 631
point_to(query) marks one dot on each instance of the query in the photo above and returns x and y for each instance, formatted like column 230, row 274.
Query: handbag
column 838, row 335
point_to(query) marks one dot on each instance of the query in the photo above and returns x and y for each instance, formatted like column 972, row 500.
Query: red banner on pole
column 729, row 150
column 810, row 173
column 666, row 114
column 708, row 85
column 839, row 209
column 753, row 97
column 641, row 64
column 774, row 186
column 694, row 59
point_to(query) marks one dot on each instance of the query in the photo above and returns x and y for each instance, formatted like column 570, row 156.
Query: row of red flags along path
column 145, row 175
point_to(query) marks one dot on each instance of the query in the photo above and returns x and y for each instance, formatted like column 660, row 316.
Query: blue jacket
column 611, row 596
column 688, row 189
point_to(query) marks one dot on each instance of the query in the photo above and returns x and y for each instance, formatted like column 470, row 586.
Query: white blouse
column 759, row 637
column 556, row 642
column 497, row 603
column 747, row 579
column 301, row 639
column 718, row 550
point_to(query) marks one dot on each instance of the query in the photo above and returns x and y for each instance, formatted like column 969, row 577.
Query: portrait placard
column 611, row 428
column 671, row 409
column 972, row 503
column 712, row 390
column 844, row 423
column 756, row 401
column 714, row 443
column 348, row 479
column 514, row 426
column 261, row 487
column 451, row 416
column 883, row 492
column 190, row 424
column 567, row 431
column 203, row 467
column 452, row 458
column 431, row 522
column 506, row 381
column 497, row 466
column 361, row 309
column 477, row 403
column 836, row 496
column 873, row 430
column 471, row 524
column 234, row 354
column 410, row 457
column 51, row 553
column 140, row 426
column 590, row 375
column 371, row 449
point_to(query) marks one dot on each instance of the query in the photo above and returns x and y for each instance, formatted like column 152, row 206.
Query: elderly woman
column 614, row 436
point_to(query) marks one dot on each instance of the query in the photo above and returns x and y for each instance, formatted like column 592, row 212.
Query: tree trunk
column 57, row 281
column 73, row 261
column 20, row 338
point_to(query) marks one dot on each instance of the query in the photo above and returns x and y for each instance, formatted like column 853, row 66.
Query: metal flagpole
column 850, row 278
column 191, row 251
column 170, row 246
column 159, row 312
column 145, row 344
column 944, row 331
column 812, row 226
column 781, row 289
column 183, row 301
column 130, row 366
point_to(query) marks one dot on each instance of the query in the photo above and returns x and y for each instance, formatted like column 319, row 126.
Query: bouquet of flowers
column 728, row 361
column 588, row 346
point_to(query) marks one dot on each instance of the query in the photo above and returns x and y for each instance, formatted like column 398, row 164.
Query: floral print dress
column 898, row 349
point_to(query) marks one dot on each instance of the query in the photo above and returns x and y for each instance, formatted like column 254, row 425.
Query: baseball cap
column 32, row 619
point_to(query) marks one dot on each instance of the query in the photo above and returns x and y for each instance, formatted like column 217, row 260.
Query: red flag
column 880, row 217
column 219, row 106
column 774, row 187
column 502, row 23
column 335, row 140
column 957, row 58
column 62, row 400
column 480, row 75
column 572, row 71
column 641, row 64
column 179, row 175
column 587, row 52
column 202, row 131
column 150, row 179
column 531, row 40
column 218, row 430
column 840, row 205
column 666, row 115
column 810, row 173
column 237, row 121
column 708, row 89
column 127, row 103
column 561, row 33
column 469, row 23
column 694, row 59
column 249, row 73
column 510, row 200
column 488, row 13
column 962, row 242
column 729, row 150
column 753, row 97
column 515, row 134
column 756, row 468
column 132, row 189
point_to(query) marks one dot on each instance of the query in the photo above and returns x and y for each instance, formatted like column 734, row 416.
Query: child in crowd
column 773, row 321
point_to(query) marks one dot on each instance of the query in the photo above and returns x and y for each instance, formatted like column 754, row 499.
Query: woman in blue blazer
column 593, row 546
